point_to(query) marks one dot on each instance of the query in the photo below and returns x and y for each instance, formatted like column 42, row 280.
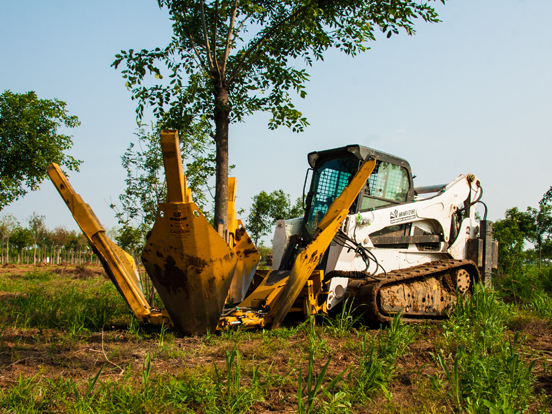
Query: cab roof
column 359, row 151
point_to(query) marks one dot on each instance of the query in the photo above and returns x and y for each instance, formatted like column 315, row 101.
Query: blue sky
column 470, row 94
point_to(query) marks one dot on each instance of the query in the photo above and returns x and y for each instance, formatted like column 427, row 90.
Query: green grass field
column 68, row 344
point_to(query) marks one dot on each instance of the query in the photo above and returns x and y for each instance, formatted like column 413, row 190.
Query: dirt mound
column 9, row 266
column 80, row 272
column 7, row 295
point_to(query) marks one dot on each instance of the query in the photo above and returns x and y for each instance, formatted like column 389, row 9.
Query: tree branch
column 229, row 38
column 242, row 23
column 215, row 35
column 207, row 47
column 197, row 53
column 268, row 33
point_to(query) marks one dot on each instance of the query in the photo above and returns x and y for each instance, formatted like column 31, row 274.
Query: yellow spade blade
column 308, row 259
column 118, row 264
column 248, row 259
column 190, row 265
column 304, row 265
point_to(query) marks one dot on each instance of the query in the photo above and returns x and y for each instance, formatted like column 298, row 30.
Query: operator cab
column 389, row 183
column 332, row 171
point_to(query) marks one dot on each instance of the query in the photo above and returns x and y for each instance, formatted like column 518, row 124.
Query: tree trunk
column 222, row 121
column 8, row 250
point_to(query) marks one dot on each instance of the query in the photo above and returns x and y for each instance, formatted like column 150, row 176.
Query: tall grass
column 74, row 307
column 485, row 373
column 227, row 391
column 521, row 286
column 309, row 395
column 343, row 323
column 232, row 395
column 541, row 305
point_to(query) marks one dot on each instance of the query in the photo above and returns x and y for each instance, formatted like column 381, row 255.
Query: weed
column 541, row 305
column 232, row 395
column 233, row 334
column 377, row 365
column 342, row 324
column 315, row 342
column 308, row 396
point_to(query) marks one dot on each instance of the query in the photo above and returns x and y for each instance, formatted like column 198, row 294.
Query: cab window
column 388, row 184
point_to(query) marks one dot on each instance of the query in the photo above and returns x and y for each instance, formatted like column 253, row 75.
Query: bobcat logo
column 394, row 214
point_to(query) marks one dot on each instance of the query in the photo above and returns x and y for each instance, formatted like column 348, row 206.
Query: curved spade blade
column 190, row 265
column 248, row 259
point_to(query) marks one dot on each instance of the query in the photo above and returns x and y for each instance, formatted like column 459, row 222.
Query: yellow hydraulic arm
column 309, row 258
column 247, row 253
column 279, row 291
column 117, row 263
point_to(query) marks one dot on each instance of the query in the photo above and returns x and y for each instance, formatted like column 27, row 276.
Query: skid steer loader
column 367, row 234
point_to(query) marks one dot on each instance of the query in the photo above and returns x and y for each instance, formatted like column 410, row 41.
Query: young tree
column 130, row 239
column 72, row 244
column 20, row 239
column 60, row 237
column 8, row 223
column 29, row 141
column 145, row 182
column 36, row 228
column 539, row 227
column 269, row 208
column 228, row 59
column 510, row 233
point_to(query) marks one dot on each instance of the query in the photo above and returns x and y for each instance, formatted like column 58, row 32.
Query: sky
column 472, row 94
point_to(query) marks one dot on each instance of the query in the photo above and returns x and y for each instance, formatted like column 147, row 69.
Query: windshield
column 388, row 184
column 329, row 180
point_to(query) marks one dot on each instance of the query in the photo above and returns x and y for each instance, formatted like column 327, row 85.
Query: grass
column 70, row 345
column 486, row 373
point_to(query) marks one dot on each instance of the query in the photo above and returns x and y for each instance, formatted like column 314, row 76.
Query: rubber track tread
column 365, row 291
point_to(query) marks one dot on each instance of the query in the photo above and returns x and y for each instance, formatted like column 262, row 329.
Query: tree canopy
column 228, row 59
column 29, row 141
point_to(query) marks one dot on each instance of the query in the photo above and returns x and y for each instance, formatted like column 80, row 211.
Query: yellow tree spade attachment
column 190, row 264
column 308, row 259
column 118, row 264
column 247, row 253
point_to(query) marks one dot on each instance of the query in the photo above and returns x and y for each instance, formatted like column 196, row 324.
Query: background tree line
column 525, row 249
column 35, row 243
